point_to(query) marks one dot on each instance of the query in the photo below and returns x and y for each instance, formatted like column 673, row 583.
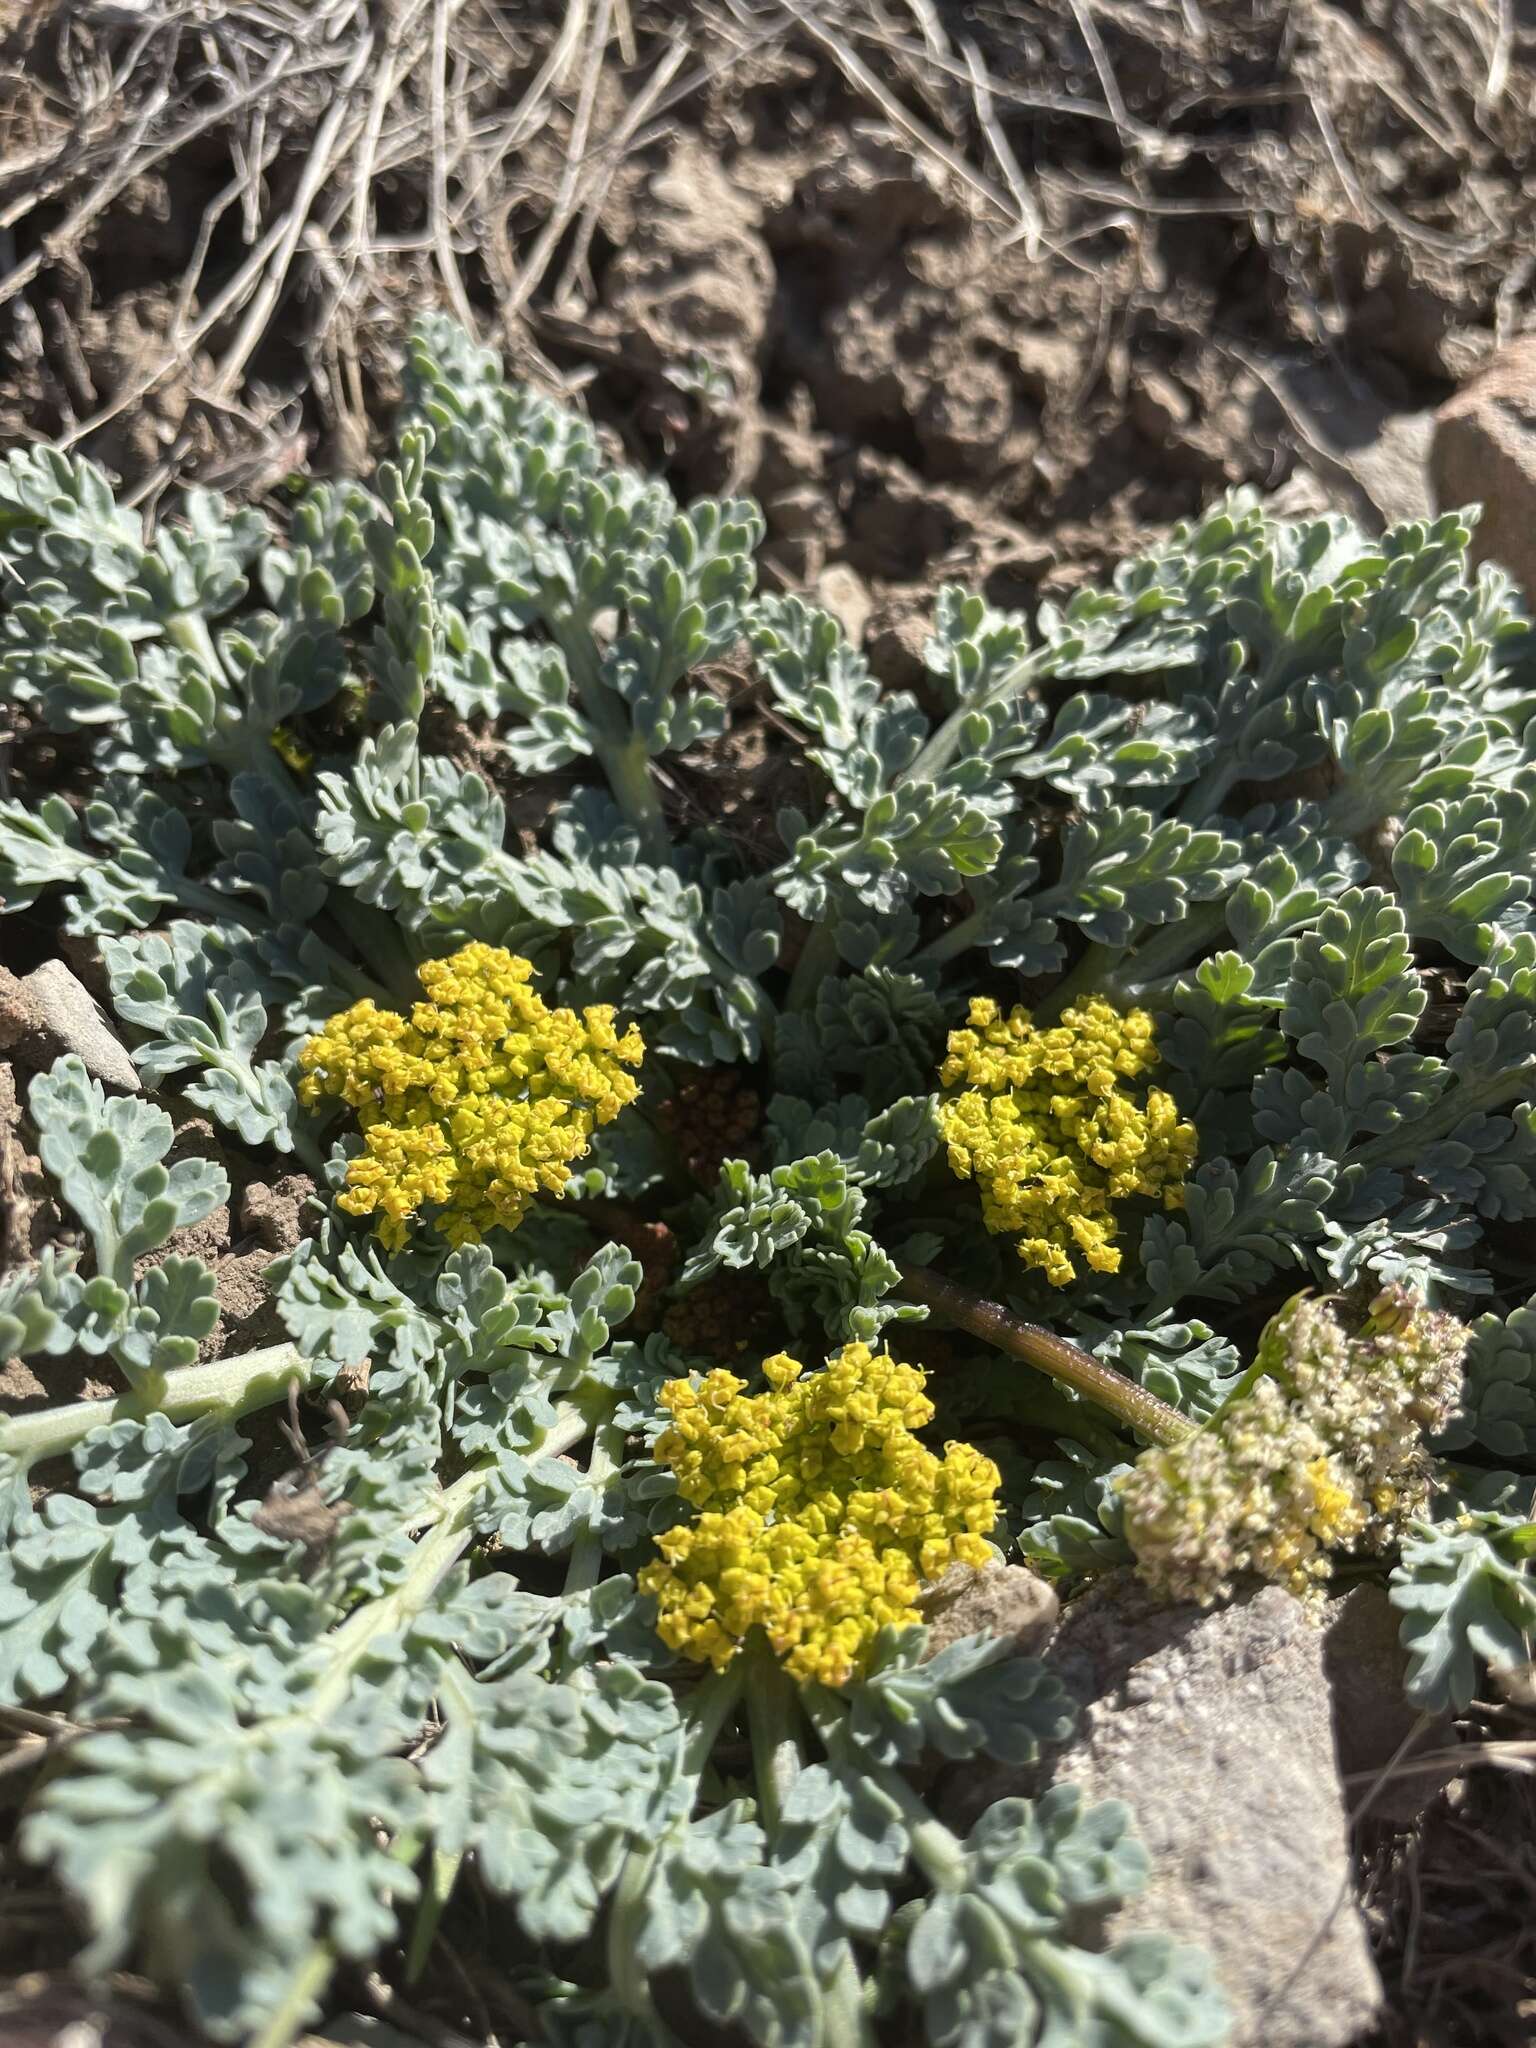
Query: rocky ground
column 992, row 292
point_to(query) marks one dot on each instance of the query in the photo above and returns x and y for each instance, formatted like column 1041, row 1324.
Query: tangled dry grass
column 215, row 217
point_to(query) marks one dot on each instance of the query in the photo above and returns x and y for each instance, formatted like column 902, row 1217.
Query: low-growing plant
column 1159, row 955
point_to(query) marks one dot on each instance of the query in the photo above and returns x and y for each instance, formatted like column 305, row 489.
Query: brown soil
column 1453, row 1905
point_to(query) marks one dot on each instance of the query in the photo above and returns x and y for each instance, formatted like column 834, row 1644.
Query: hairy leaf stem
column 1208, row 791
column 706, row 1712
column 434, row 1557
column 819, row 956
column 627, row 1912
column 1125, row 973
column 936, row 1848
column 949, row 945
column 586, row 1558
column 778, row 1733
column 305, row 1987
column 452, row 1530
column 620, row 750
column 1165, row 949
column 450, row 1535
column 229, row 744
column 1048, row 1353
column 455, row 1697
column 940, row 748
column 189, row 632
column 437, row 1553
column 307, row 1149
column 1405, row 1142
column 378, row 937
column 1087, row 977
column 818, row 959
column 452, row 1518
column 231, row 1387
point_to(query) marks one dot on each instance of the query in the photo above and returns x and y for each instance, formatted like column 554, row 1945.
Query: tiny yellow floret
column 479, row 1099
column 291, row 750
column 1047, row 1124
column 823, row 1516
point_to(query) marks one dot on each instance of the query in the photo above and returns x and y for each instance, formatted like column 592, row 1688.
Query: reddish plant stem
column 1048, row 1353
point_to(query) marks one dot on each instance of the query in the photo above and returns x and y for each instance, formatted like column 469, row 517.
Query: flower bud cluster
column 1047, row 1124
column 1324, row 1451
column 479, row 1099
column 823, row 1516
column 713, row 1116
column 727, row 1315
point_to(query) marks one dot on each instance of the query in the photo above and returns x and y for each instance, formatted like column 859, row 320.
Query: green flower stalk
column 1056, row 1356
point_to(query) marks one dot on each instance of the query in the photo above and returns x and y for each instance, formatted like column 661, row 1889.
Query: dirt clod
column 274, row 1211
column 1003, row 1600
column 248, row 1317
column 693, row 281
column 841, row 591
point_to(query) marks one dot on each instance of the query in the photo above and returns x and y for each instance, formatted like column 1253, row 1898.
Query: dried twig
column 639, row 112
column 1497, row 81
column 563, row 210
column 1035, row 102
column 517, row 128
column 1031, row 220
column 283, row 71
column 96, row 200
column 858, row 73
column 925, row 14
column 316, row 171
column 1082, row 14
column 442, row 244
column 391, row 65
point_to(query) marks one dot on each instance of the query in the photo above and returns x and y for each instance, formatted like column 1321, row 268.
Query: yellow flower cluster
column 1046, row 1124
column 476, row 1101
column 823, row 1516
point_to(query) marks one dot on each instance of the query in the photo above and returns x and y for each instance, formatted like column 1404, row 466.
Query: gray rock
column 1216, row 1729
column 49, row 1012
column 1393, row 467
column 1370, row 456
column 1484, row 453
column 1003, row 1600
